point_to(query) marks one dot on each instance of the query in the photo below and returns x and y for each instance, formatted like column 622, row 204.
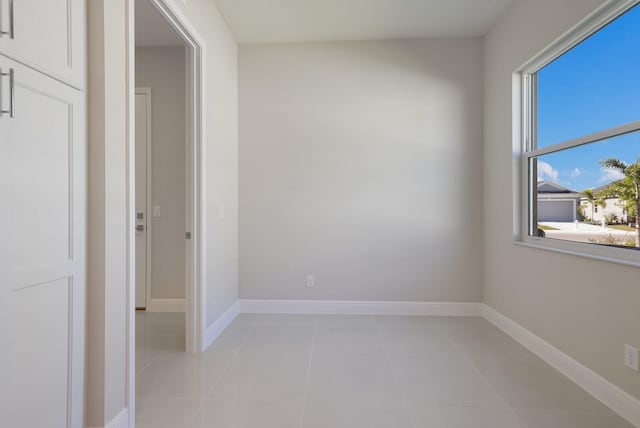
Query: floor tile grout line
column 202, row 400
column 468, row 360
column 155, row 356
column 306, row 385
column 405, row 403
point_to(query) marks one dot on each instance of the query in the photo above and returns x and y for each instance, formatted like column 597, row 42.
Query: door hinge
column 187, row 235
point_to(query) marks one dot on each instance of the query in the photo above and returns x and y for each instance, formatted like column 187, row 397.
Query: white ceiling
column 152, row 29
column 269, row 21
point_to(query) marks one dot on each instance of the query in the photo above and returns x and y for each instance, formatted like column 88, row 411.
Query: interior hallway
column 332, row 371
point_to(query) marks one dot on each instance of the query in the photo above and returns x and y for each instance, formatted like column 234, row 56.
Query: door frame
column 195, row 248
column 146, row 91
column 195, row 269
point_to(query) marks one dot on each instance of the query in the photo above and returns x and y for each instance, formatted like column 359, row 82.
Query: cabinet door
column 43, row 163
column 48, row 35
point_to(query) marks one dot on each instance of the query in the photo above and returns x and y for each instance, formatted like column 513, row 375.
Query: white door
column 45, row 34
column 143, row 148
column 43, row 163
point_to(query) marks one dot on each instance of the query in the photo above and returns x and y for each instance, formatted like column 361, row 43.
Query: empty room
column 319, row 214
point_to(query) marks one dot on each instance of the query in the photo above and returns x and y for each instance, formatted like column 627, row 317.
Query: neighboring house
column 614, row 207
column 557, row 203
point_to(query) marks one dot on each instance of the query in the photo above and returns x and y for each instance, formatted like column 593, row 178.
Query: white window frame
column 524, row 140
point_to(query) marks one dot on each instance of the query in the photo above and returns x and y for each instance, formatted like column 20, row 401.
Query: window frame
column 525, row 93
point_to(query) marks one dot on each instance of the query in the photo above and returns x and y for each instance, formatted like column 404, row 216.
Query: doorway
column 166, row 41
column 165, row 185
column 144, row 179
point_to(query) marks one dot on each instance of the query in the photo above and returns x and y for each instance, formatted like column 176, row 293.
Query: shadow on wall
column 360, row 163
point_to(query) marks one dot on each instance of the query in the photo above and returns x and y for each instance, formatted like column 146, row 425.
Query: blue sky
column 593, row 87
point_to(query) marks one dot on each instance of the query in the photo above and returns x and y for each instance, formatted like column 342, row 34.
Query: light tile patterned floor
column 326, row 371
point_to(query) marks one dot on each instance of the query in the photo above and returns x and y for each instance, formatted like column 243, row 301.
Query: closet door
column 47, row 35
column 42, row 250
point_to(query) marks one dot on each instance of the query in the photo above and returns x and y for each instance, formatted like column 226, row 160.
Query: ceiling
column 272, row 21
column 152, row 29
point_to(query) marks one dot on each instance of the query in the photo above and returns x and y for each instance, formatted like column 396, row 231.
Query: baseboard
column 359, row 307
column 217, row 327
column 615, row 398
column 166, row 305
column 121, row 420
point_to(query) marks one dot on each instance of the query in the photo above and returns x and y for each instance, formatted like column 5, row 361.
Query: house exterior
column 557, row 203
column 613, row 212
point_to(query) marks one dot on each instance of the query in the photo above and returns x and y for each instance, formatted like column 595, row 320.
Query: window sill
column 618, row 256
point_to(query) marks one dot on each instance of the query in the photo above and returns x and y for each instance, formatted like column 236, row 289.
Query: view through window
column 583, row 154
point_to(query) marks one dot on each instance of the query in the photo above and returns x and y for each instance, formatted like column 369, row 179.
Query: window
column 580, row 158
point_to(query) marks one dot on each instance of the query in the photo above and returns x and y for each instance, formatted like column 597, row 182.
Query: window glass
column 592, row 87
column 579, row 188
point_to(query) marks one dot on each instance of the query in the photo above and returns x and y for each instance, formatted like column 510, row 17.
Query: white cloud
column 546, row 172
column 609, row 175
column 575, row 173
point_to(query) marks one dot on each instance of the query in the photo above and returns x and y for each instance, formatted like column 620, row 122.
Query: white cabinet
column 43, row 194
column 47, row 35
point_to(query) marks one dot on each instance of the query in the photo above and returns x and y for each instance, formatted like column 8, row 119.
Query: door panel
column 47, row 157
column 41, row 349
column 555, row 211
column 47, row 36
column 42, row 252
column 142, row 146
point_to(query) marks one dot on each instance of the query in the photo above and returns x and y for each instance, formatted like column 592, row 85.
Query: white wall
column 587, row 308
column 221, row 156
column 614, row 207
column 360, row 163
column 108, row 112
column 107, row 227
column 163, row 70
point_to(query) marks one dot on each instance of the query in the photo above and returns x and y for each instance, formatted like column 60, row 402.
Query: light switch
column 221, row 210
column 156, row 211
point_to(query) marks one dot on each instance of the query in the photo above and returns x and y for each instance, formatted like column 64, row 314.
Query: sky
column 593, row 87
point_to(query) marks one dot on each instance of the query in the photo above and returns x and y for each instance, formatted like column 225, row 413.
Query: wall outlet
column 311, row 282
column 631, row 357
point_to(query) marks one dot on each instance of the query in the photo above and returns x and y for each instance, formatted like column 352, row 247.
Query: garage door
column 556, row 211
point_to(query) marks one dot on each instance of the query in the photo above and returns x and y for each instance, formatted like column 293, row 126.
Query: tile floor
column 326, row 371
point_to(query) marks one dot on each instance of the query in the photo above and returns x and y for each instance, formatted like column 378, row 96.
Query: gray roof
column 597, row 190
column 551, row 187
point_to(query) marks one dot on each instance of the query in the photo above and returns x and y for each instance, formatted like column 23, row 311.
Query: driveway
column 583, row 232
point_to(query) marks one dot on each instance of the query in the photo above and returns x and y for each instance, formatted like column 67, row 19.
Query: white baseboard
column 618, row 400
column 217, row 327
column 359, row 308
column 167, row 305
column 121, row 420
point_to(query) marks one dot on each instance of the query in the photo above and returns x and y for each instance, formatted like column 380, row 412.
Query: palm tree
column 594, row 200
column 628, row 187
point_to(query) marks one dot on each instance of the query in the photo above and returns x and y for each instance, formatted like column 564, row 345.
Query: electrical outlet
column 631, row 357
column 311, row 282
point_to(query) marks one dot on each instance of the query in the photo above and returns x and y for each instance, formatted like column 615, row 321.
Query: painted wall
column 220, row 184
column 360, row 163
column 586, row 308
column 107, row 226
column 163, row 70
